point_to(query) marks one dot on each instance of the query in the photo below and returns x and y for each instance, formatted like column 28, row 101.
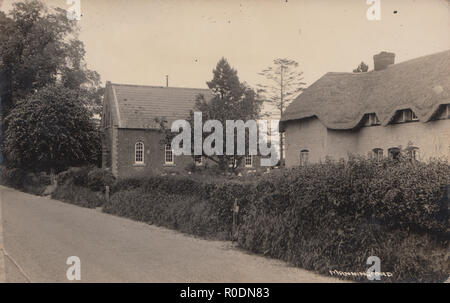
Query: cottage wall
column 308, row 134
column 432, row 138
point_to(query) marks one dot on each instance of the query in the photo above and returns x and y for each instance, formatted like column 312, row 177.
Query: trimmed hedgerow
column 30, row 182
column 78, row 195
column 322, row 217
column 334, row 216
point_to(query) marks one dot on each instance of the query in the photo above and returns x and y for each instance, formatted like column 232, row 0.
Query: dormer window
column 371, row 120
column 409, row 115
column 444, row 113
column 406, row 115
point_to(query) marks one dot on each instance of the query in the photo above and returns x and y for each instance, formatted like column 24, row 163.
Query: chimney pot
column 383, row 60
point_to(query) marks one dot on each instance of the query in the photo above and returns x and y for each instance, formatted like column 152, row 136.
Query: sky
column 142, row 41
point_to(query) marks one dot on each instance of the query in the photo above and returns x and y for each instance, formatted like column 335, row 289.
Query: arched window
column 394, row 153
column 168, row 156
column 377, row 153
column 304, row 157
column 139, row 153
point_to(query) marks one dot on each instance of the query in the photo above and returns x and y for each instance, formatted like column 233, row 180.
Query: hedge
column 30, row 182
column 323, row 217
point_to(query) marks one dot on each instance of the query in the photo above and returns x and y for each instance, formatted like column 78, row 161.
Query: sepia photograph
column 224, row 149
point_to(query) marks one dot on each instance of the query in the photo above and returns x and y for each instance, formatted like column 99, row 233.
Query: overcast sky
column 140, row 41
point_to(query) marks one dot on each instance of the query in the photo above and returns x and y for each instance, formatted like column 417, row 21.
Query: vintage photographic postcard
column 240, row 141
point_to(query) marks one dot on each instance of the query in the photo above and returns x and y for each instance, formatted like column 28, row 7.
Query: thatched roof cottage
column 377, row 113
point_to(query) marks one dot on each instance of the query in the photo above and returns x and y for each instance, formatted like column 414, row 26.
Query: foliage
column 90, row 177
column 78, row 195
column 286, row 82
column 40, row 52
column 362, row 68
column 233, row 100
column 322, row 217
column 51, row 129
column 335, row 215
column 40, row 47
column 25, row 181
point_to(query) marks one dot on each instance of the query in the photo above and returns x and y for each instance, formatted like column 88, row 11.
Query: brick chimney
column 383, row 60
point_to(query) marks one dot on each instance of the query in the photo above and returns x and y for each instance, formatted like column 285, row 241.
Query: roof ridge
column 389, row 66
column 156, row 86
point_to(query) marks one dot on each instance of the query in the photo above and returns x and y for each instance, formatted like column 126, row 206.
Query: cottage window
column 377, row 153
column 304, row 157
column 198, row 159
column 445, row 112
column 372, row 119
column 168, row 157
column 248, row 161
column 409, row 115
column 139, row 153
column 232, row 161
column 413, row 153
column 394, row 153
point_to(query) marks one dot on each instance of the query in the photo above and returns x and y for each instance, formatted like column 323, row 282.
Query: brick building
column 377, row 113
column 132, row 142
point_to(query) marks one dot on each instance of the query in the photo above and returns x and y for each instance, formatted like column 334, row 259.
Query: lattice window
column 139, row 153
column 168, row 157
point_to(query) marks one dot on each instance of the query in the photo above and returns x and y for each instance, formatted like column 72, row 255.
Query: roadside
column 40, row 234
column 2, row 249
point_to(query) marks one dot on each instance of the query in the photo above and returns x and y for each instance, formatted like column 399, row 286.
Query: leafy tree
column 233, row 100
column 362, row 68
column 51, row 130
column 286, row 82
column 40, row 53
column 40, row 47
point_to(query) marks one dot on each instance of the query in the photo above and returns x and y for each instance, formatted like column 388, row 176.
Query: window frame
column 391, row 154
column 303, row 161
column 196, row 162
column 413, row 153
column 141, row 151
column 168, row 149
column 251, row 161
column 376, row 153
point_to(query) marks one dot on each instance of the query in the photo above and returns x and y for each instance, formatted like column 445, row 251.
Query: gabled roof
column 137, row 106
column 340, row 100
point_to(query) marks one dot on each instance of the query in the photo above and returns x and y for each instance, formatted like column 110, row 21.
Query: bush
column 334, row 216
column 13, row 177
column 187, row 214
column 322, row 217
column 75, row 175
column 78, row 195
column 98, row 178
column 25, row 181
column 90, row 177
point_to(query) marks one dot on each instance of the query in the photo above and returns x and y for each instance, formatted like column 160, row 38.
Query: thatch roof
column 340, row 100
column 137, row 106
